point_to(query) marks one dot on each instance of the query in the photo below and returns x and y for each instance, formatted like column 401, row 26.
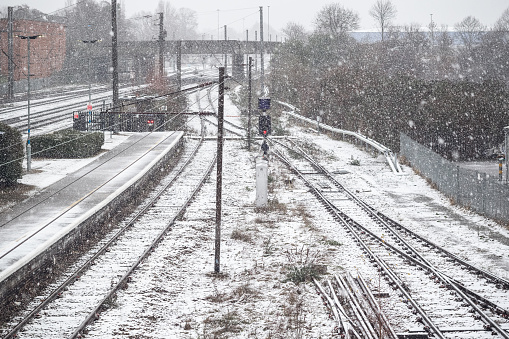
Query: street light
column 29, row 147
column 89, row 77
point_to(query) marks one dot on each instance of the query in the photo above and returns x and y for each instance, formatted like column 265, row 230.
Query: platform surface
column 27, row 229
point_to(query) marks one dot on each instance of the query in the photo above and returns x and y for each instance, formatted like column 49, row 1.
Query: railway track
column 446, row 293
column 233, row 128
column 58, row 116
column 49, row 98
column 87, row 289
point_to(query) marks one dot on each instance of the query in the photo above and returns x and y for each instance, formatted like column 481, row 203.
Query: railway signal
column 264, row 125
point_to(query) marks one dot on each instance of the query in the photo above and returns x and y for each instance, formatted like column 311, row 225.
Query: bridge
column 138, row 57
column 199, row 47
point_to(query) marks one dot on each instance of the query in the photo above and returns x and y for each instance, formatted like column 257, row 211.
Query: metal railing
column 476, row 190
column 391, row 157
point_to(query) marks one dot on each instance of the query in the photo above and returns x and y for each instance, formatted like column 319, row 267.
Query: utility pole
column 29, row 146
column 249, row 98
column 225, row 53
column 179, row 64
column 247, row 42
column 10, row 62
column 256, row 52
column 161, row 46
column 268, row 24
column 89, row 106
column 262, row 72
column 219, row 180
column 114, row 53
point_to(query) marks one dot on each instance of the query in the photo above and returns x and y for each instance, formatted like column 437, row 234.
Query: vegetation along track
column 446, row 293
column 88, row 288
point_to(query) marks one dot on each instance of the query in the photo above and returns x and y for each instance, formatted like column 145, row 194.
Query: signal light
column 264, row 125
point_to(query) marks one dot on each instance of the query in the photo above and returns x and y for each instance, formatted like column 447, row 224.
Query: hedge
column 67, row 144
column 11, row 155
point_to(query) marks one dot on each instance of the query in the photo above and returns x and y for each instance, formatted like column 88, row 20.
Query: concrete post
column 506, row 144
column 10, row 54
column 261, row 181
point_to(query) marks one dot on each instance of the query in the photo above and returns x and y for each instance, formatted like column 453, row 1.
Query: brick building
column 47, row 53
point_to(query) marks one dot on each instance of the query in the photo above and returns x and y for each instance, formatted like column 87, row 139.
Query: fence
column 472, row 189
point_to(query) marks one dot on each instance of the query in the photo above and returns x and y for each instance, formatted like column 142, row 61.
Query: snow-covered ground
column 48, row 171
column 175, row 295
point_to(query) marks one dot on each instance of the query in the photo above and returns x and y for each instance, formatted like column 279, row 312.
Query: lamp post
column 89, row 106
column 89, row 77
column 29, row 147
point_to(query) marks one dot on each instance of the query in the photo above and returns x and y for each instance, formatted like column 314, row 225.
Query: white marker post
column 261, row 181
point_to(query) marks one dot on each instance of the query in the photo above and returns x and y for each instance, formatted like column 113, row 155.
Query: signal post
column 262, row 162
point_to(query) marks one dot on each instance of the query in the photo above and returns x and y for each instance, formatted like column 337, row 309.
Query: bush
column 68, row 144
column 302, row 265
column 11, row 155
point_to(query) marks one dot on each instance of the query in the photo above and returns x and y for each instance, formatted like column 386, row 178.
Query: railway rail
column 234, row 128
column 446, row 292
column 43, row 115
column 87, row 289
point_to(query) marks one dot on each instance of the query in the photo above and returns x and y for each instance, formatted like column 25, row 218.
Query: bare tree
column 470, row 31
column 180, row 23
column 186, row 24
column 502, row 23
column 295, row 32
column 335, row 20
column 383, row 11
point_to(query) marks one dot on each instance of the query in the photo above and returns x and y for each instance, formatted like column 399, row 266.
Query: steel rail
column 458, row 288
column 359, row 313
column 334, row 305
column 371, row 299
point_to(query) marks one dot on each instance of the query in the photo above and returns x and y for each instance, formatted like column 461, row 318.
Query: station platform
column 32, row 232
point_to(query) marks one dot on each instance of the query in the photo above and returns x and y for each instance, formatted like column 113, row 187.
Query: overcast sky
column 243, row 14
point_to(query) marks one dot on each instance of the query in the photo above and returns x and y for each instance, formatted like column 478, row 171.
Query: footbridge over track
column 199, row 47
column 139, row 57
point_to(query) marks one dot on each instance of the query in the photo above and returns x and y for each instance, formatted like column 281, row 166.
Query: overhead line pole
column 114, row 51
column 179, row 64
column 161, row 45
column 249, row 96
column 219, row 180
column 225, row 54
column 10, row 61
column 262, row 71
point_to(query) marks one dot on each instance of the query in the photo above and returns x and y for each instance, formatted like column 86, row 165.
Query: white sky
column 243, row 14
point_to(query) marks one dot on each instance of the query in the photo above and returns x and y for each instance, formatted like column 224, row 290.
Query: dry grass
column 301, row 211
column 241, row 235
column 229, row 322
